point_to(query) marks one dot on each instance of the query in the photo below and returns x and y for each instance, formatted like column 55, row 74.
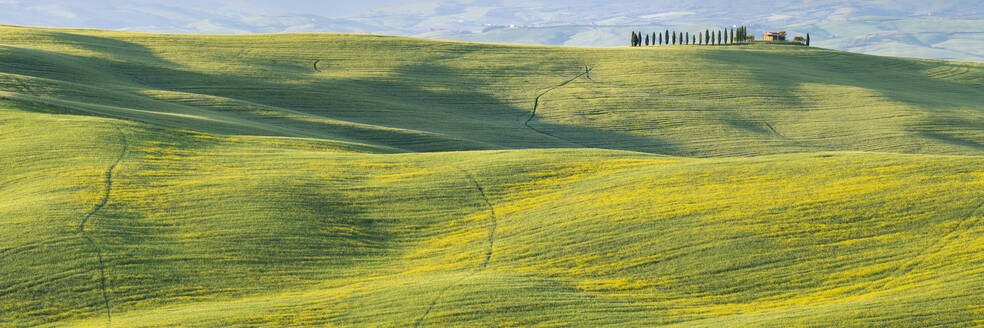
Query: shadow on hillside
column 423, row 107
column 901, row 80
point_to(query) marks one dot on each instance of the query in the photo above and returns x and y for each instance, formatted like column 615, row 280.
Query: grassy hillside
column 297, row 180
column 419, row 95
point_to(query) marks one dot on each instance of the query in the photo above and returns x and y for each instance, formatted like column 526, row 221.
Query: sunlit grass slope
column 421, row 95
column 159, row 180
column 213, row 230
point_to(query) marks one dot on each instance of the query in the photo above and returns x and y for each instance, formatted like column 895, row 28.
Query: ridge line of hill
column 99, row 206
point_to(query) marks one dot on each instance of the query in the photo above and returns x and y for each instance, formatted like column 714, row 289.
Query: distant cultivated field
column 354, row 180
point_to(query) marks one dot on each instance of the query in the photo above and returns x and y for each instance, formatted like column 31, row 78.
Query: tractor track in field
column 316, row 61
column 85, row 220
column 773, row 130
column 935, row 246
column 493, row 224
column 11, row 251
column 536, row 105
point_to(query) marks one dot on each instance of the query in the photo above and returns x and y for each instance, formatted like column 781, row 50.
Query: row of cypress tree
column 726, row 36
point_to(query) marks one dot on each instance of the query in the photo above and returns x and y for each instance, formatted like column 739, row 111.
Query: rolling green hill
column 355, row 180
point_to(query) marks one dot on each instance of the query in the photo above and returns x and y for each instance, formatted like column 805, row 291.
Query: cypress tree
column 707, row 36
column 687, row 40
column 633, row 38
column 647, row 39
column 654, row 38
column 667, row 38
column 807, row 39
column 661, row 39
column 674, row 37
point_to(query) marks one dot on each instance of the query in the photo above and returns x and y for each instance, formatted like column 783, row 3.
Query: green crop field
column 370, row 181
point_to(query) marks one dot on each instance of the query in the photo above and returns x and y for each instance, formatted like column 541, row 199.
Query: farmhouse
column 775, row 36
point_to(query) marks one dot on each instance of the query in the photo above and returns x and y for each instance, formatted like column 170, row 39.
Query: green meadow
column 152, row 180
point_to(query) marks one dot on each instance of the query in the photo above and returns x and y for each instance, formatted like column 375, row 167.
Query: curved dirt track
column 493, row 224
column 99, row 206
column 536, row 105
